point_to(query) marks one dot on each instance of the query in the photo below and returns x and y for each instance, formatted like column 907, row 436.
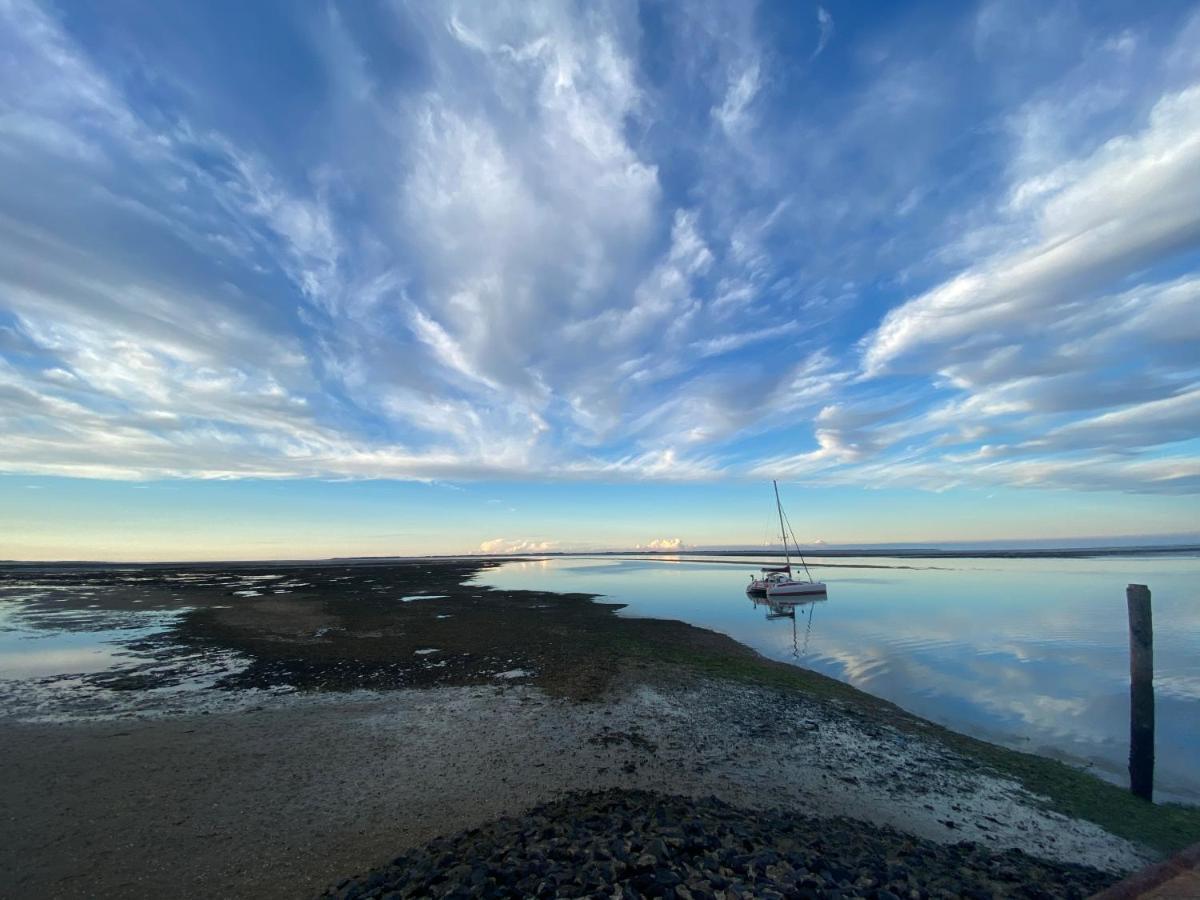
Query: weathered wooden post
column 1141, row 692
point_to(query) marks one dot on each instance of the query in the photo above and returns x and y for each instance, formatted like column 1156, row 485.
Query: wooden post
column 1141, row 692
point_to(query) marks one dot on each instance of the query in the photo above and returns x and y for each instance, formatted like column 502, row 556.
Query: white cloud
column 825, row 24
column 502, row 546
column 1149, row 424
column 538, row 277
column 662, row 544
column 507, row 270
column 1168, row 475
column 1132, row 204
column 666, row 464
column 1040, row 355
column 727, row 343
column 743, row 87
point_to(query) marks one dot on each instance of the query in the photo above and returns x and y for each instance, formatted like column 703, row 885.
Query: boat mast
column 782, row 533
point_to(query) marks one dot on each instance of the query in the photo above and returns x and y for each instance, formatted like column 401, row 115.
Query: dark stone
column 667, row 878
column 638, row 844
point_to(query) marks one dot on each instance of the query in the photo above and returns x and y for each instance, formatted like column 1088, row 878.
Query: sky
column 290, row 280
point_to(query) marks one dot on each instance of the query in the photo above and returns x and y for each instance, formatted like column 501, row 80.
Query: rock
column 630, row 844
column 658, row 850
column 667, row 878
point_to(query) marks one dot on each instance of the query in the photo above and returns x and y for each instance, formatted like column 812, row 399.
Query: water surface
column 1031, row 653
column 97, row 644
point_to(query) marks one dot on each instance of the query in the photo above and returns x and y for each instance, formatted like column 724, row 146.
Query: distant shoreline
column 917, row 553
column 862, row 553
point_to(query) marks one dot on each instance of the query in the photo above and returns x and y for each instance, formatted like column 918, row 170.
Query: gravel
column 630, row 844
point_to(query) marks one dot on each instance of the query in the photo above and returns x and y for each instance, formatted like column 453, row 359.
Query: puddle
column 61, row 658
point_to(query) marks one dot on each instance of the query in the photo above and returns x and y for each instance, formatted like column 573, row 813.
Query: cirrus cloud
column 556, row 243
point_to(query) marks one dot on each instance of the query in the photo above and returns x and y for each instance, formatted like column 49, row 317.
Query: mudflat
column 284, row 801
column 373, row 707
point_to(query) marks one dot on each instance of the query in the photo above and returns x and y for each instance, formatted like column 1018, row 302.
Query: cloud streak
column 536, row 243
column 825, row 25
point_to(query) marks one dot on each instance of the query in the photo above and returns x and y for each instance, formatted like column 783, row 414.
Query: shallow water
column 96, row 645
column 1031, row 653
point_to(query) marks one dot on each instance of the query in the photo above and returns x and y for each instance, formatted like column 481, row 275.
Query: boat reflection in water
column 785, row 608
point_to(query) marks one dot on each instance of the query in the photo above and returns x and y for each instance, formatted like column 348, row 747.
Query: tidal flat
column 268, row 730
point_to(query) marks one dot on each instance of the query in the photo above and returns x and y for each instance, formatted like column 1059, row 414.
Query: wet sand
column 283, row 801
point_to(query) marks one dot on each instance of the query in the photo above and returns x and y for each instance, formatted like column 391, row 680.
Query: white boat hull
column 796, row 589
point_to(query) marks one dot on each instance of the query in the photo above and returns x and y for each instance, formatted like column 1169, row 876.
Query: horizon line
column 951, row 549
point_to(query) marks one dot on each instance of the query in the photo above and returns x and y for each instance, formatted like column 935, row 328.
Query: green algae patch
column 1060, row 787
column 1165, row 827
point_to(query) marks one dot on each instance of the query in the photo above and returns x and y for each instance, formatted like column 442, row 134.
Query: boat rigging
column 777, row 582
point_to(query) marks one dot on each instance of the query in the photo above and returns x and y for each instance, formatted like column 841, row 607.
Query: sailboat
column 777, row 582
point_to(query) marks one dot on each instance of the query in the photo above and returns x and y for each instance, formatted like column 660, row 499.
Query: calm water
column 67, row 651
column 1032, row 653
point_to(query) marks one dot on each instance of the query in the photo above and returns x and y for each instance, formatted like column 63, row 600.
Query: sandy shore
column 283, row 800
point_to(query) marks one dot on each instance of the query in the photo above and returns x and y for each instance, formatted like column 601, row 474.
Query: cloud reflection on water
column 1032, row 653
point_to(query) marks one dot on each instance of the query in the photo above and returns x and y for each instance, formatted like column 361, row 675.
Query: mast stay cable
column 782, row 533
column 796, row 542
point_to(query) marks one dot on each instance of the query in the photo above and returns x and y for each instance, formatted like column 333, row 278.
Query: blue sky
column 414, row 277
